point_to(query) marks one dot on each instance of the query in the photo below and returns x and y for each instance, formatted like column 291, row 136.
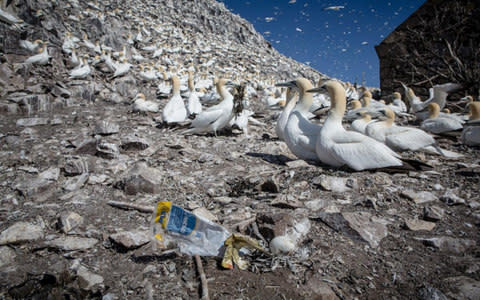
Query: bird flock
column 203, row 102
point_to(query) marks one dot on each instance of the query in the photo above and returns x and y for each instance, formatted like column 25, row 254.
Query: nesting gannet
column 74, row 60
column 194, row 107
column 25, row 44
column 41, row 58
column 82, row 71
column 69, row 43
column 8, row 17
column 215, row 117
column 142, row 105
column 360, row 124
column 471, row 133
column 122, row 68
column 174, row 111
column 397, row 104
column 337, row 147
column 300, row 134
column 283, row 119
column 147, row 73
column 439, row 124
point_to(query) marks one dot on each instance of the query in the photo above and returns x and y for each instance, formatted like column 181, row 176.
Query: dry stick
column 203, row 278
column 129, row 206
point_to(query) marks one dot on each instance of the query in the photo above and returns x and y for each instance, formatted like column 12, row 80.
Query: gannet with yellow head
column 41, row 58
column 215, row 117
column 291, row 101
column 174, row 111
column 337, row 147
column 471, row 133
column 300, row 134
column 194, row 107
column 439, row 124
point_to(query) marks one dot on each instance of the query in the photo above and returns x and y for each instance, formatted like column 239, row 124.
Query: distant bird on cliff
column 41, row 58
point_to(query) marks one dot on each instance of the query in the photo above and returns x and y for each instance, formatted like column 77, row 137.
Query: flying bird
column 337, row 8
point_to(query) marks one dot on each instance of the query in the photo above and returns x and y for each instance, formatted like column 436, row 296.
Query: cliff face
column 206, row 28
column 436, row 44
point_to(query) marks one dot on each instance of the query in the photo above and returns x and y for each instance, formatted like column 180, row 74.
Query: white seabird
column 174, row 111
column 283, row 119
column 471, row 133
column 215, row 117
column 194, row 107
column 439, row 124
column 337, row 147
column 300, row 134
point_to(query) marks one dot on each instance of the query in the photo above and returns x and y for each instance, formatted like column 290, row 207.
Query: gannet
column 147, row 73
column 142, row 105
column 174, row 111
column 69, row 43
column 122, row 69
column 194, row 107
column 8, row 17
column 291, row 101
column 29, row 45
column 337, row 147
column 87, row 43
column 397, row 104
column 439, row 124
column 74, row 60
column 471, row 133
column 81, row 71
column 438, row 94
column 215, row 117
column 300, row 134
column 41, row 58
column 360, row 124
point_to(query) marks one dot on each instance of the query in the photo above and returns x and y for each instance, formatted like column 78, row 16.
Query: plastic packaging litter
column 193, row 234
column 288, row 242
column 234, row 243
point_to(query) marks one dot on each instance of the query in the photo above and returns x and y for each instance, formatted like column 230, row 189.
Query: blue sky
column 339, row 43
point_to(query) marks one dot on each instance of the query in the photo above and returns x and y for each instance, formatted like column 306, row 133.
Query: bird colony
column 136, row 102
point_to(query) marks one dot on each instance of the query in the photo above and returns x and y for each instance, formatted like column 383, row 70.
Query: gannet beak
column 320, row 89
column 291, row 84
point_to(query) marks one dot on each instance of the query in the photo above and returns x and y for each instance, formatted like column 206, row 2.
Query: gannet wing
column 360, row 152
column 409, row 139
column 206, row 117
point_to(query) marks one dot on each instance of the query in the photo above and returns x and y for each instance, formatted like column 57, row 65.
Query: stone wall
column 438, row 43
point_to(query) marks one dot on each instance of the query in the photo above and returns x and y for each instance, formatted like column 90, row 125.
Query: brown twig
column 203, row 278
column 131, row 206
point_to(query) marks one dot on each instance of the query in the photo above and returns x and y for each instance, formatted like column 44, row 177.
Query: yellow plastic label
column 163, row 209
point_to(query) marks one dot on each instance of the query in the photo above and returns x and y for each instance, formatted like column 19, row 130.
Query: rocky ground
column 68, row 148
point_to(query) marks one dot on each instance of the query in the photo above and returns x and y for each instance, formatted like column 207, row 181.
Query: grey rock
column 417, row 225
column 107, row 150
column 299, row 163
column 72, row 243
column 450, row 198
column 336, row 184
column 419, row 197
column 133, row 142
column 75, row 165
column 359, row 226
column 32, row 122
column 431, row 293
column 320, row 290
column 106, row 127
column 89, row 281
column 463, row 287
column 69, row 220
column 21, row 232
column 60, row 91
column 75, row 183
column 51, row 174
column 7, row 256
column 433, row 213
column 86, row 146
column 205, row 213
column 449, row 244
column 316, row 204
column 141, row 179
column 34, row 186
column 130, row 239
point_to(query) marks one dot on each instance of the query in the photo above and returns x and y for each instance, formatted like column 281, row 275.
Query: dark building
column 438, row 43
